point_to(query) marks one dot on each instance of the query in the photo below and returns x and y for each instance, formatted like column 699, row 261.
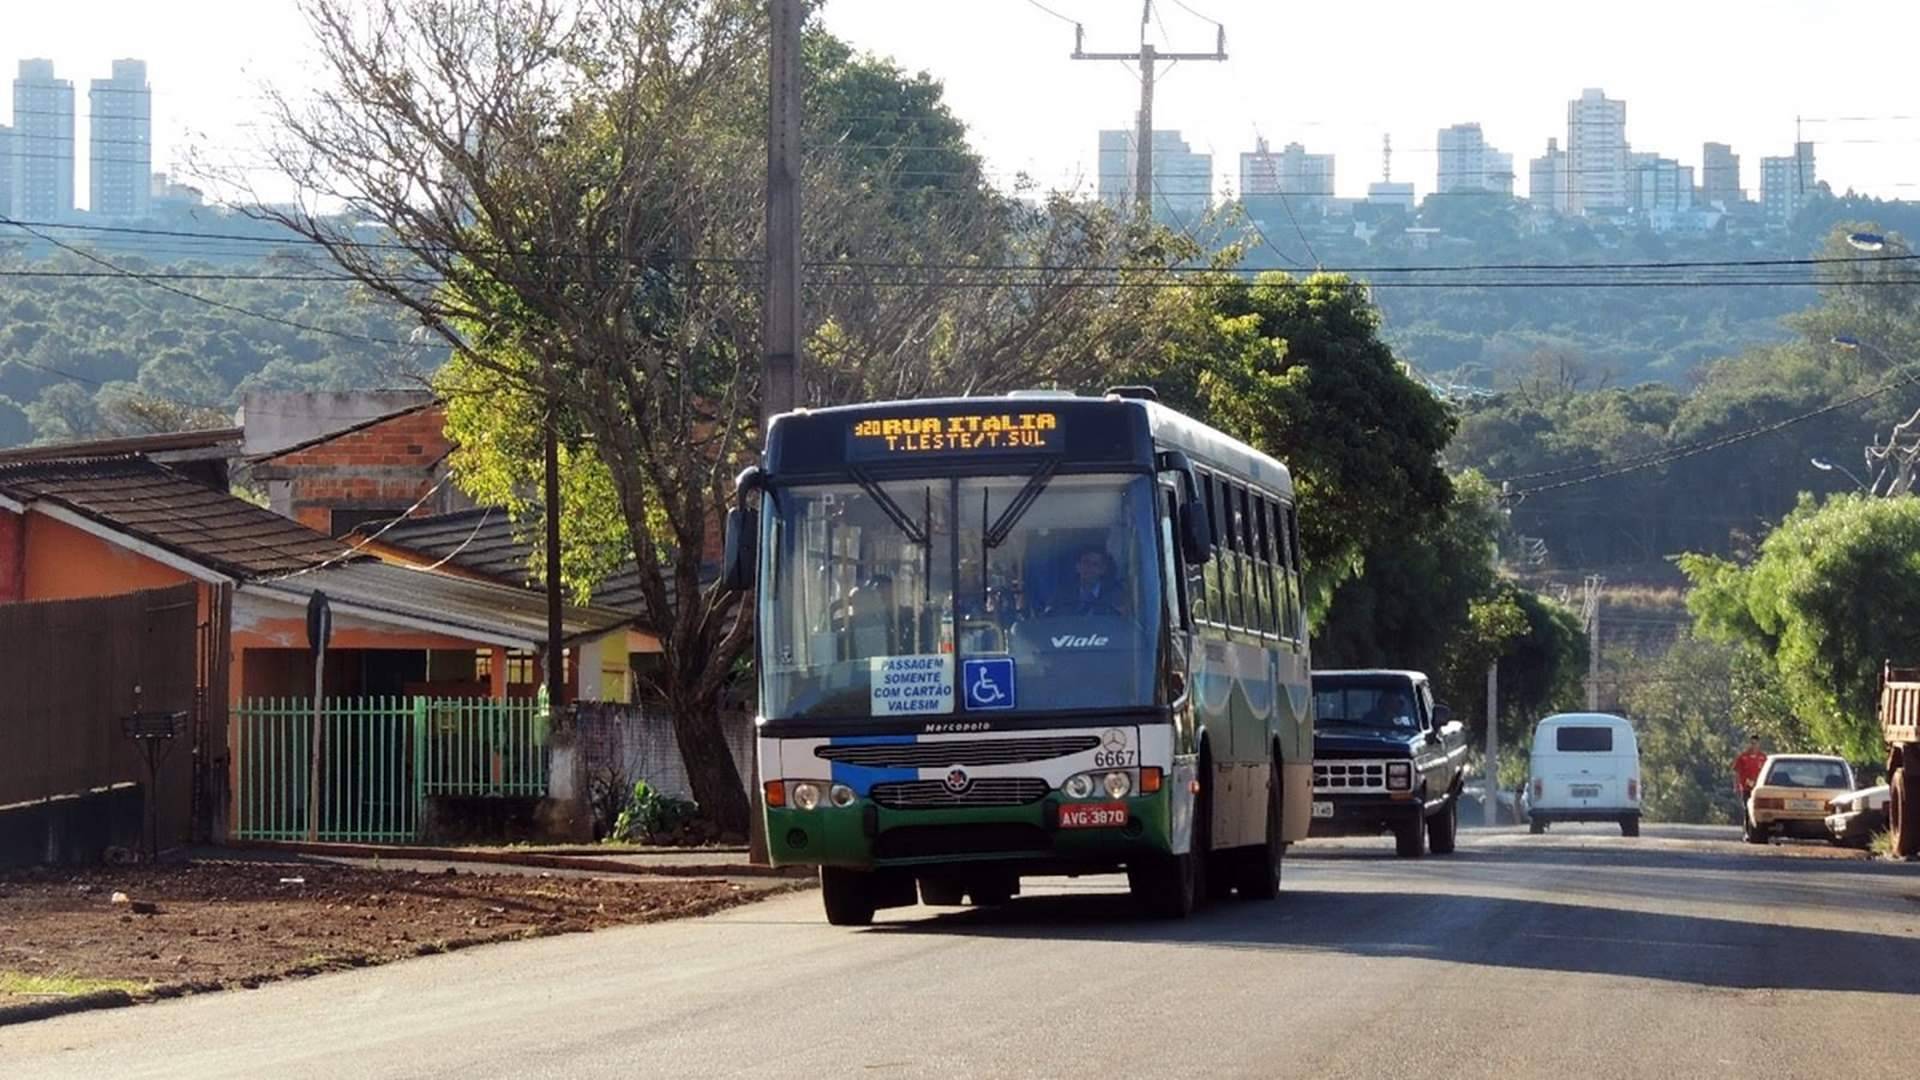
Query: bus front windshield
column 884, row 598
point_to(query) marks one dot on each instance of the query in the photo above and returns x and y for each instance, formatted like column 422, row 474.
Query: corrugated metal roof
column 153, row 503
column 483, row 541
column 164, row 442
column 460, row 604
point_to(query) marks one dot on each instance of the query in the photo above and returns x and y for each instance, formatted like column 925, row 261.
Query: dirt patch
column 214, row 925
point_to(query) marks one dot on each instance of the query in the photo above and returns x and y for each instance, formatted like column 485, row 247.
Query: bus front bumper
column 866, row 835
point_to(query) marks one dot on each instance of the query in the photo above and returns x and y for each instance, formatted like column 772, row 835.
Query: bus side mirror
column 1196, row 535
column 741, row 556
column 1196, row 532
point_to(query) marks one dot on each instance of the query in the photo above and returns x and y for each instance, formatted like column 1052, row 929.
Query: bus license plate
column 1323, row 809
column 1093, row 815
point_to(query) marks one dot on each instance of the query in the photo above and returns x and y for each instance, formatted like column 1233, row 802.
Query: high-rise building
column 42, row 143
column 1597, row 176
column 1661, row 184
column 1787, row 184
column 1391, row 193
column 1720, row 175
column 1182, row 179
column 1468, row 164
column 6, row 169
column 1547, row 178
column 1305, row 180
column 120, row 152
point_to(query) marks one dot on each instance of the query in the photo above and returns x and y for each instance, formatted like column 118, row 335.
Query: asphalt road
column 1575, row 954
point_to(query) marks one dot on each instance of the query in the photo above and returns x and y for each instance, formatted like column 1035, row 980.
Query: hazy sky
column 1334, row 76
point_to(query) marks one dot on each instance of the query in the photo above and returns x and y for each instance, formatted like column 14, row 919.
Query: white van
column 1586, row 767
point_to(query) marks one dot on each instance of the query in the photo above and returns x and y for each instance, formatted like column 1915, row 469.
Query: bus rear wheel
column 849, row 896
column 1260, row 867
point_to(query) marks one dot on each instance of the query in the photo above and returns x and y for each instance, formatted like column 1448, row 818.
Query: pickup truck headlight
column 1399, row 775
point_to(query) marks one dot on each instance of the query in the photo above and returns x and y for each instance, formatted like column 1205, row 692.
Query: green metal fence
column 381, row 759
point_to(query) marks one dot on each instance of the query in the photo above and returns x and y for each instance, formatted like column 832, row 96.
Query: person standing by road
column 1746, row 772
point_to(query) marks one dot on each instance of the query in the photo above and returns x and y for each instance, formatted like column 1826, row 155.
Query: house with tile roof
column 74, row 525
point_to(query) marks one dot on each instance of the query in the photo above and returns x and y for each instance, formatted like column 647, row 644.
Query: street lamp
column 1827, row 466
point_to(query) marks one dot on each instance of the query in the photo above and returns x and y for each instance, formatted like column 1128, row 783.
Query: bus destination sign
column 969, row 433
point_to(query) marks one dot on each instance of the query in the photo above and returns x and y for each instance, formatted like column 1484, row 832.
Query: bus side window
column 1296, row 589
column 1175, row 565
column 1216, row 609
column 1256, row 563
column 1270, row 610
column 1237, row 575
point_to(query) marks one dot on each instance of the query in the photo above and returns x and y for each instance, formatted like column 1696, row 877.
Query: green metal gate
column 381, row 759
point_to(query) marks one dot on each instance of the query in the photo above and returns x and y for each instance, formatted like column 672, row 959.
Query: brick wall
column 385, row 466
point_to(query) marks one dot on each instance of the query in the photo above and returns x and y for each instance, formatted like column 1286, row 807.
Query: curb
column 527, row 859
column 46, row 1010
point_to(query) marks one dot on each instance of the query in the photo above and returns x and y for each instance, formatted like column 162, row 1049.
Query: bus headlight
column 1118, row 784
column 804, row 795
column 1078, row 786
column 840, row 795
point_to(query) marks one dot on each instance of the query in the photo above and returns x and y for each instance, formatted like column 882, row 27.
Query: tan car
column 1792, row 796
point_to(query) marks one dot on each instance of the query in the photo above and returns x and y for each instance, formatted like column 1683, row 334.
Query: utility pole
column 1147, row 57
column 1590, row 613
column 1493, row 744
column 556, row 648
column 1491, row 812
column 780, row 369
column 780, row 372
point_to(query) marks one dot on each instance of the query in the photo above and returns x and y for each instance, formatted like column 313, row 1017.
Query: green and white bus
column 1034, row 635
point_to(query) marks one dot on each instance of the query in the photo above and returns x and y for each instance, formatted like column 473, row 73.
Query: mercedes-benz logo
column 957, row 780
column 1114, row 739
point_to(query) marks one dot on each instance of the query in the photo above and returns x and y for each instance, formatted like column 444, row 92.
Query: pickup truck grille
column 1333, row 777
column 986, row 791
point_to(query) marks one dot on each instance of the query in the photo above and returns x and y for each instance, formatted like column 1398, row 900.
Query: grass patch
column 20, row 983
column 1881, row 844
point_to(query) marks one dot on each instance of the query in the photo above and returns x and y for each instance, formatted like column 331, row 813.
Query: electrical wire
column 1050, row 11
column 1713, row 444
column 161, row 283
column 1159, row 189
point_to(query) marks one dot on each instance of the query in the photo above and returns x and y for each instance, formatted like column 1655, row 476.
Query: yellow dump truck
column 1900, row 726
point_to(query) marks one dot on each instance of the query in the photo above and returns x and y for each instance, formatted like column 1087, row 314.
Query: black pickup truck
column 1385, row 759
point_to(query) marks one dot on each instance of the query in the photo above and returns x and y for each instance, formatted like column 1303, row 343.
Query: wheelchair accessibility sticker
column 988, row 683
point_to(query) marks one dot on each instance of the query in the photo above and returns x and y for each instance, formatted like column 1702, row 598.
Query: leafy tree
column 1830, row 598
column 1412, row 603
column 62, row 413
column 1693, row 708
column 1298, row 369
column 15, row 425
column 561, row 190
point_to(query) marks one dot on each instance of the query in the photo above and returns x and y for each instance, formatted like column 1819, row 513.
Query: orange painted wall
column 64, row 563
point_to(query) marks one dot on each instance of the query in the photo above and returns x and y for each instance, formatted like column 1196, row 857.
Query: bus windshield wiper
column 915, row 534
column 1022, row 502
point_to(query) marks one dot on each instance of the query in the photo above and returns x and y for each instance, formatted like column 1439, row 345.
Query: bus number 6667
column 1112, row 759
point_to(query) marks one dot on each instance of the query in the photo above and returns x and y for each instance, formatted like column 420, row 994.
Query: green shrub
column 650, row 813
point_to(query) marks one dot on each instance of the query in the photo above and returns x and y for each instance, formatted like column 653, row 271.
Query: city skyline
column 1433, row 70
column 40, row 157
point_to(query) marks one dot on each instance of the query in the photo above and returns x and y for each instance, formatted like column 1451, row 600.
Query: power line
column 1715, row 444
column 1050, row 11
column 161, row 283
column 297, row 240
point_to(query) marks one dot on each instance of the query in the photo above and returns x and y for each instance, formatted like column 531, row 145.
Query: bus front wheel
column 849, row 896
